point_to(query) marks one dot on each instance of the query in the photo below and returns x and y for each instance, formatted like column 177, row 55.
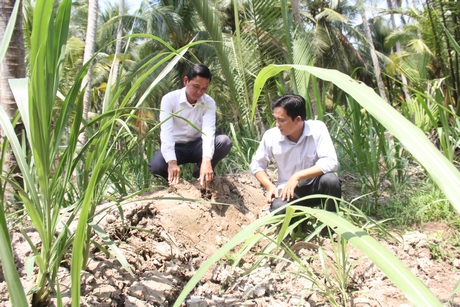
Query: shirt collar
column 183, row 98
column 306, row 129
column 306, row 132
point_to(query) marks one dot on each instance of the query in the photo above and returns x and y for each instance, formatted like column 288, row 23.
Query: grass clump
column 414, row 206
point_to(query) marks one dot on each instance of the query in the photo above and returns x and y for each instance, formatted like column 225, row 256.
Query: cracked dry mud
column 166, row 237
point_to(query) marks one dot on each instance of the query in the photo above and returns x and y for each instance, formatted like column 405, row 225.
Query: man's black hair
column 198, row 70
column 294, row 105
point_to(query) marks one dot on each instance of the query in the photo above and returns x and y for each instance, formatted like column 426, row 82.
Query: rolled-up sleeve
column 327, row 157
column 167, row 129
column 261, row 158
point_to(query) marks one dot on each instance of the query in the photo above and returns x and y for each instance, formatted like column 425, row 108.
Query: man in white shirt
column 188, row 118
column 304, row 154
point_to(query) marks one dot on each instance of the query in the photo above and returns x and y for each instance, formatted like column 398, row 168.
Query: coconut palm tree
column 398, row 45
column 242, row 51
column 425, row 53
column 329, row 23
column 331, row 41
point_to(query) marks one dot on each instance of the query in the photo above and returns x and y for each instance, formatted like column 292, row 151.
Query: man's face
column 288, row 126
column 195, row 88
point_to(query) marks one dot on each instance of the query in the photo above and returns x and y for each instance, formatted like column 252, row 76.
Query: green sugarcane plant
column 368, row 149
column 17, row 295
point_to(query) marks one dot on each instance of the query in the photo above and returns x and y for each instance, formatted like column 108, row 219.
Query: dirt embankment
column 166, row 235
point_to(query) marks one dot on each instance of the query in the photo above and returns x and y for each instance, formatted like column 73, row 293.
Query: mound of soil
column 166, row 235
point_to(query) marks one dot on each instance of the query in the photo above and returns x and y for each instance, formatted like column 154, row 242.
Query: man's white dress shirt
column 174, row 114
column 314, row 147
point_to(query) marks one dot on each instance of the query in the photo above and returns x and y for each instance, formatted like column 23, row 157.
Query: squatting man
column 304, row 154
column 182, row 143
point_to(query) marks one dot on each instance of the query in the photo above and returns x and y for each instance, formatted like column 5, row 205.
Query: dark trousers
column 191, row 152
column 327, row 184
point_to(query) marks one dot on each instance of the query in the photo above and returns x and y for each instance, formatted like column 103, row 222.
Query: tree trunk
column 12, row 67
column 398, row 50
column 118, row 44
column 296, row 12
column 375, row 60
column 451, row 58
column 90, row 45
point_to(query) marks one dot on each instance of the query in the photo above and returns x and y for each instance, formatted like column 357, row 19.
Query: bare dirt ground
column 166, row 237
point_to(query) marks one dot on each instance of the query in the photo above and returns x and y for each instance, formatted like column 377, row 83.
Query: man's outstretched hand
column 173, row 172
column 206, row 172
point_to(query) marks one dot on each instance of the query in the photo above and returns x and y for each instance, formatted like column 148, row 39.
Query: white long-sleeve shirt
column 177, row 130
column 314, row 147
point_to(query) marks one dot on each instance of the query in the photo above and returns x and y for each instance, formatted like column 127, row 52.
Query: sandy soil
column 166, row 235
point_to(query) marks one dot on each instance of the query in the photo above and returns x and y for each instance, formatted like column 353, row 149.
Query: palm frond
column 331, row 16
column 303, row 54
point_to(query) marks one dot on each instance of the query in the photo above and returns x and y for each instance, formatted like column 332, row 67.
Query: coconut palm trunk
column 296, row 12
column 375, row 60
column 12, row 67
column 90, row 45
column 118, row 44
column 398, row 49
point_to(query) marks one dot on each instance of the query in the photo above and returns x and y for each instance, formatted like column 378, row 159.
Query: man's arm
column 272, row 191
column 167, row 137
column 258, row 166
column 288, row 190
column 206, row 171
column 209, row 132
column 167, row 110
column 325, row 149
